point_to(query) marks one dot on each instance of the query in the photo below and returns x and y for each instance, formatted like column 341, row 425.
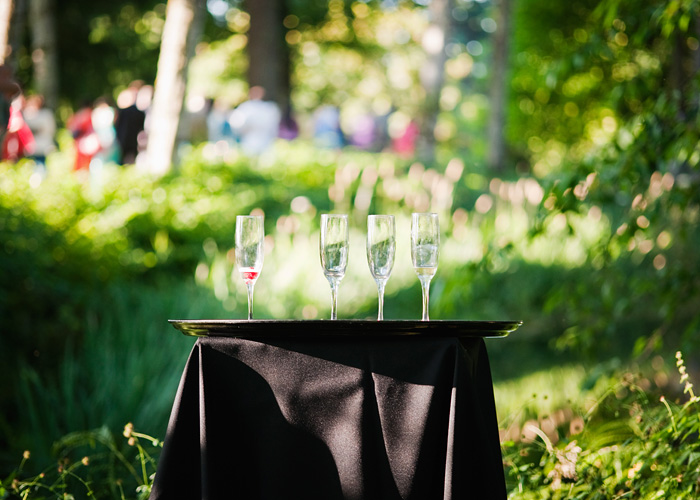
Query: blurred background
column 557, row 141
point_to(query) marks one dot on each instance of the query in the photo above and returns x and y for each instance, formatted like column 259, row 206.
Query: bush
column 628, row 446
column 91, row 464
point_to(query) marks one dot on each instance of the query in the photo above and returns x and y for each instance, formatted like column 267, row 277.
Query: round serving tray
column 344, row 327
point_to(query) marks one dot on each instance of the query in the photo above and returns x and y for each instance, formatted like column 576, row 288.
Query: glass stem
column 380, row 291
column 334, row 299
column 425, row 286
column 250, row 299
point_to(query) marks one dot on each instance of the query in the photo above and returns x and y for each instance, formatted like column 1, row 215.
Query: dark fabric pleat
column 391, row 418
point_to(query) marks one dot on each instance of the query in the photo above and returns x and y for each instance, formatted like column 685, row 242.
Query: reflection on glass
column 425, row 249
column 381, row 247
column 250, row 235
column 333, row 248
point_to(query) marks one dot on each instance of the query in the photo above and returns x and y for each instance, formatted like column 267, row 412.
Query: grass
column 636, row 442
column 126, row 369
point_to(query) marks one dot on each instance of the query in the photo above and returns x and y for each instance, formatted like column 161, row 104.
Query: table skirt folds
column 387, row 418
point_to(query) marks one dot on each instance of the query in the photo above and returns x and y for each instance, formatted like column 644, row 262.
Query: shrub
column 91, row 464
column 629, row 446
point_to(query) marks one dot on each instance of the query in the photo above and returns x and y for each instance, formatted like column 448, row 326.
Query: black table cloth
column 402, row 417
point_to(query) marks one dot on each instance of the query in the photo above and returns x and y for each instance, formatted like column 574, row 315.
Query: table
column 348, row 410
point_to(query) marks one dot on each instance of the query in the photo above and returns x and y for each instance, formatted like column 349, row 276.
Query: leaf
column 609, row 433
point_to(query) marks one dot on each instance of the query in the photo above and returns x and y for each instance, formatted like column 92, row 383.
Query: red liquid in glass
column 249, row 275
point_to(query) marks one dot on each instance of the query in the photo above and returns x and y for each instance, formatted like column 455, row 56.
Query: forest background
column 558, row 142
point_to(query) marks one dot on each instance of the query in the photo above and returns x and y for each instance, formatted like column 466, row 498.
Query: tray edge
column 203, row 328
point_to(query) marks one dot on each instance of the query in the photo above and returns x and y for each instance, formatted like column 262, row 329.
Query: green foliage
column 126, row 367
column 608, row 117
column 626, row 447
column 91, row 464
column 103, row 47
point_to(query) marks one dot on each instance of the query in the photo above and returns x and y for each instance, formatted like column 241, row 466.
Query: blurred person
column 103, row 118
column 327, row 131
column 9, row 89
column 404, row 144
column 18, row 142
column 381, row 132
column 87, row 144
column 193, row 127
column 289, row 128
column 130, row 122
column 144, row 99
column 42, row 123
column 363, row 131
column 218, row 127
column 256, row 122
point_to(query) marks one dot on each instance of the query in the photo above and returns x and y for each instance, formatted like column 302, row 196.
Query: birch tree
column 6, row 8
column 182, row 28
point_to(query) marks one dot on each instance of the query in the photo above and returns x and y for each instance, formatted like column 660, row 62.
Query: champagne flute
column 333, row 246
column 381, row 247
column 425, row 248
column 250, row 235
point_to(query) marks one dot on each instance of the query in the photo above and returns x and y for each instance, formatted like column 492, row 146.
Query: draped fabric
column 385, row 418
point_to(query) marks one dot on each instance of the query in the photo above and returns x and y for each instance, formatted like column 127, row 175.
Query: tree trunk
column 499, row 66
column 184, row 129
column 6, row 8
column 18, row 26
column 432, row 73
column 268, row 57
column 177, row 46
column 44, row 50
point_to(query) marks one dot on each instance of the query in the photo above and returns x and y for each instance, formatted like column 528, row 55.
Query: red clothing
column 405, row 144
column 87, row 144
column 19, row 140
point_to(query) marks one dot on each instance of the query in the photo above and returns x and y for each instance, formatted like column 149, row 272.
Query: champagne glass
column 250, row 235
column 381, row 247
column 333, row 248
column 425, row 248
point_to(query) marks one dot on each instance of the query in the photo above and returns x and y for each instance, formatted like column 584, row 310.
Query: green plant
column 90, row 464
column 126, row 367
column 604, row 109
column 627, row 446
